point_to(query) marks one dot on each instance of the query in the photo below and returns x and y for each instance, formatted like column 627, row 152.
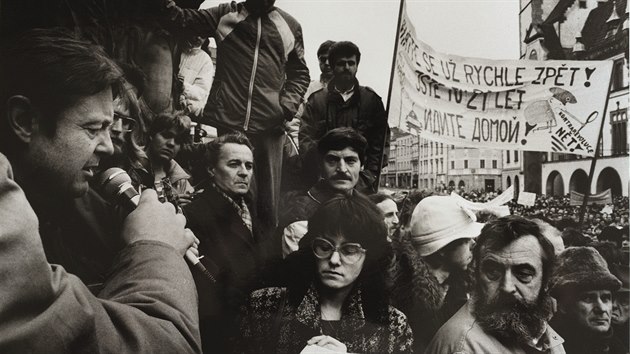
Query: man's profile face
column 345, row 68
column 234, row 169
column 67, row 160
column 340, row 168
column 592, row 310
column 390, row 213
column 118, row 133
column 515, row 271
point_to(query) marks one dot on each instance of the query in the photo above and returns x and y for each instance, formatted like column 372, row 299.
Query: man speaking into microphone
column 56, row 98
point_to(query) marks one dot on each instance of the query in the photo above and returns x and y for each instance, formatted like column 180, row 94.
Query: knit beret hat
column 581, row 268
column 439, row 220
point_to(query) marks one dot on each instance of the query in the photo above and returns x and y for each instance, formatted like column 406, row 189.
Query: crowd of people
column 121, row 231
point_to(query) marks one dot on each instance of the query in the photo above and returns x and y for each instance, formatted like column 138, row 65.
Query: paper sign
column 526, row 198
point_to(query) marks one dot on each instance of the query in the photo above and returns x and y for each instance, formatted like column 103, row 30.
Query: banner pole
column 389, row 93
column 594, row 160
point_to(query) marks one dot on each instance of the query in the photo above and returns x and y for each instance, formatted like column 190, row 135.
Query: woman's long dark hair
column 360, row 221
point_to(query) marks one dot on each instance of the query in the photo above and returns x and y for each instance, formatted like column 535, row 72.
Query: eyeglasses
column 349, row 252
column 126, row 123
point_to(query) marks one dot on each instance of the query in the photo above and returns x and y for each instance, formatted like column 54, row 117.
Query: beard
column 513, row 320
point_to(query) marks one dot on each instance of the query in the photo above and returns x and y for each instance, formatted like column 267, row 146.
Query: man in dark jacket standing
column 260, row 80
column 228, row 236
column 343, row 103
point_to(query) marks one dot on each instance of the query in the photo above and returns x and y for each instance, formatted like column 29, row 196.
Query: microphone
column 114, row 184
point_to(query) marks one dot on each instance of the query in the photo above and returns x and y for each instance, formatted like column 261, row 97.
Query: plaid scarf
column 240, row 207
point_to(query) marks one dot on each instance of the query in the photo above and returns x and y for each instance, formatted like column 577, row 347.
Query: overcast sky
column 487, row 29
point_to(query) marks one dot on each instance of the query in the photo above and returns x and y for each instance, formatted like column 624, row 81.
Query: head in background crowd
column 344, row 58
column 324, row 64
column 341, row 153
column 167, row 134
column 230, row 163
column 551, row 233
column 621, row 298
column 584, row 286
column 56, row 95
column 442, row 232
column 388, row 207
column 513, row 264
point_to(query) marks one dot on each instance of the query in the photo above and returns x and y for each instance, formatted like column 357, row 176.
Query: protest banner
column 602, row 198
column 554, row 106
column 526, row 198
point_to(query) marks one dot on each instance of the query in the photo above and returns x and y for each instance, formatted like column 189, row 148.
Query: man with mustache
column 341, row 154
column 510, row 305
column 230, row 238
column 584, row 288
column 344, row 103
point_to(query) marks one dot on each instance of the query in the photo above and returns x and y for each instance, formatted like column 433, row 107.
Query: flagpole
column 594, row 160
column 389, row 92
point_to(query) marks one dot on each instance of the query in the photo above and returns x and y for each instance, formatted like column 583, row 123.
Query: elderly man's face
column 390, row 213
column 68, row 159
column 515, row 271
column 591, row 310
column 508, row 301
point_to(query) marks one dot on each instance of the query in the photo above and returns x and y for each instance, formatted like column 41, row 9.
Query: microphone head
column 108, row 182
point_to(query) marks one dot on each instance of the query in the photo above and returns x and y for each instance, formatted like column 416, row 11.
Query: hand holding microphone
column 148, row 218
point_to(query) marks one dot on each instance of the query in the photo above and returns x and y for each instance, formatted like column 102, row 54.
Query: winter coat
column 232, row 254
column 579, row 341
column 263, row 331
column 147, row 305
column 326, row 110
column 463, row 335
column 261, row 75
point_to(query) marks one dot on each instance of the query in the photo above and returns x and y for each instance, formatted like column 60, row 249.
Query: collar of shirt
column 345, row 94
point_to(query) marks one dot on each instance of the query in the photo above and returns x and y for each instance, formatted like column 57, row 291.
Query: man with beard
column 584, row 288
column 341, row 156
column 389, row 208
column 344, row 103
column 510, row 306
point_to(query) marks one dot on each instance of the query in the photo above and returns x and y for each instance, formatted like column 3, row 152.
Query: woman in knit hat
column 583, row 287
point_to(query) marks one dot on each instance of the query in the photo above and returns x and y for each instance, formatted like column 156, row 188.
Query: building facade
column 584, row 30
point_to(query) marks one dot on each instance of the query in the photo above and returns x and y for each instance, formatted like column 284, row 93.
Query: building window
column 442, row 165
column 452, row 165
column 465, row 163
column 617, row 75
column 515, row 155
column 507, row 157
column 619, row 123
column 582, row 4
column 482, row 163
column 533, row 55
column 441, row 148
column 494, row 163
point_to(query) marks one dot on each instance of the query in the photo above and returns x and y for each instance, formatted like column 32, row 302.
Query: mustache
column 341, row 176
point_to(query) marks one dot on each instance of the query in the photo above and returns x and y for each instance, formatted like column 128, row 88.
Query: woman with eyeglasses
column 336, row 294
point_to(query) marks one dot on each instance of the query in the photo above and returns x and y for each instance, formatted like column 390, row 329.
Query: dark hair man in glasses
column 341, row 154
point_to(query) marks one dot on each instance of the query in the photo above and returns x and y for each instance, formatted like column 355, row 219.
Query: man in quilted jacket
column 261, row 77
